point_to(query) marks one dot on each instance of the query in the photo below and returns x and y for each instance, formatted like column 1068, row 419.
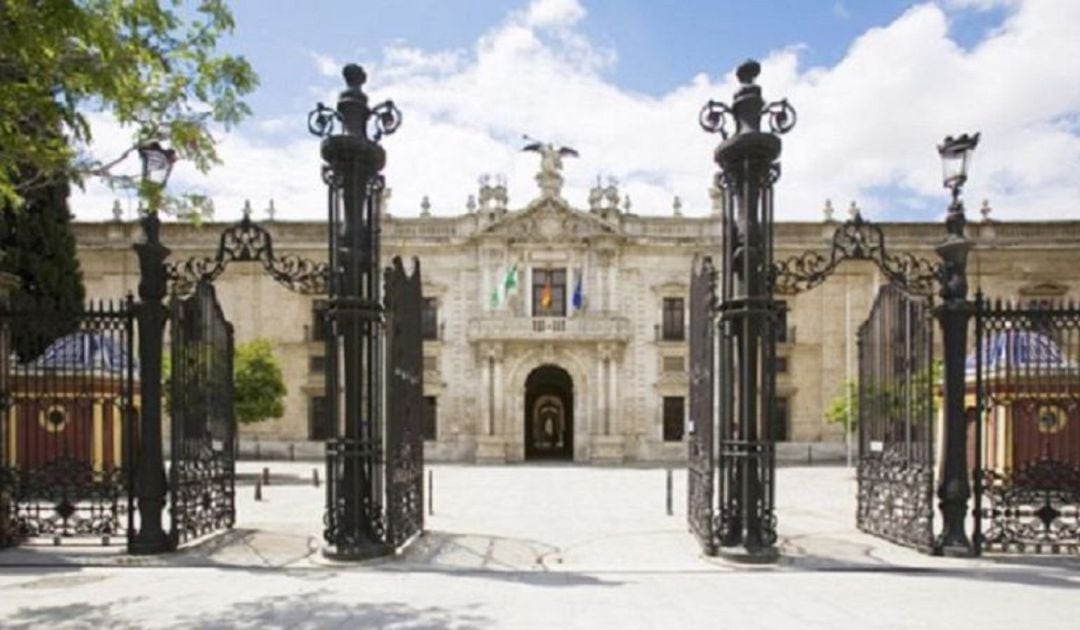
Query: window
column 672, row 329
column 429, row 319
column 318, row 321
column 674, row 364
column 549, row 292
column 431, row 363
column 673, row 418
column 781, row 421
column 318, row 418
column 430, row 417
column 316, row 365
column 783, row 335
column 781, row 365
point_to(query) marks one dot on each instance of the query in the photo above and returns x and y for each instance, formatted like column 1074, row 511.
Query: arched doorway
column 549, row 414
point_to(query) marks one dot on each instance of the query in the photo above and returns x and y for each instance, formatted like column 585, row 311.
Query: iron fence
column 1024, row 426
column 67, row 420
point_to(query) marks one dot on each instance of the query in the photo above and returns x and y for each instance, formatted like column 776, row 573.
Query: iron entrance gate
column 701, row 458
column 1025, row 380
column 66, row 423
column 404, row 405
column 202, row 469
column 898, row 380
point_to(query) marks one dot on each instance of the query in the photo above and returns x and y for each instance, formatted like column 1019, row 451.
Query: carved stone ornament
column 548, row 221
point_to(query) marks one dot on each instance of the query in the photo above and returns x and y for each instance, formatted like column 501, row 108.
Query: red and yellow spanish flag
column 545, row 294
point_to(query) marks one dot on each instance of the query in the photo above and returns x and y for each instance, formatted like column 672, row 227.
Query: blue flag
column 578, row 299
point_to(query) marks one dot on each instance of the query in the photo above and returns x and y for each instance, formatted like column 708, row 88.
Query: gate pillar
column 748, row 315
column 149, row 478
column 355, row 527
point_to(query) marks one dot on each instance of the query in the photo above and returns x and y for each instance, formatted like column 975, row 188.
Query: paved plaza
column 544, row 546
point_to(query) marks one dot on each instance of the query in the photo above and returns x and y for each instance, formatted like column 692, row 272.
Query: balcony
column 578, row 328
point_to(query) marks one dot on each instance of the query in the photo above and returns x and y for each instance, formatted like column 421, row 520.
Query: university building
column 556, row 330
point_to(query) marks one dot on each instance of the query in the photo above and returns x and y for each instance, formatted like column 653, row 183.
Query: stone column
column 490, row 443
column 608, row 444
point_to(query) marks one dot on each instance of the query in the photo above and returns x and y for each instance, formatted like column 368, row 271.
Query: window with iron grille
column 429, row 319
column 318, row 418
column 672, row 329
column 781, row 421
column 781, row 365
column 316, row 365
column 318, row 320
column 555, row 281
column 430, row 417
column 431, row 363
column 673, row 418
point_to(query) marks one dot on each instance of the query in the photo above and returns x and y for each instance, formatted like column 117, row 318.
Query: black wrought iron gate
column 202, row 467
column 404, row 409
column 701, row 468
column 898, row 379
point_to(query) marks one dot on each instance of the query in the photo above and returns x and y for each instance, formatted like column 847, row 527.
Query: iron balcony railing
column 577, row 328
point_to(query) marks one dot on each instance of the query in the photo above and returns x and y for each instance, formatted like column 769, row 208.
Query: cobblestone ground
column 537, row 547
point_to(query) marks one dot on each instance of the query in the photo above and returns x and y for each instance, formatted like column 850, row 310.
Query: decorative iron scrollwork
column 247, row 241
column 855, row 239
column 782, row 116
column 323, row 121
column 714, row 116
column 1034, row 509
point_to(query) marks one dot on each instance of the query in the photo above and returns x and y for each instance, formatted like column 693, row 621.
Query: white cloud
column 553, row 13
column 867, row 125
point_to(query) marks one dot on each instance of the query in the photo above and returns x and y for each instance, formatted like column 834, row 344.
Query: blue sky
column 876, row 84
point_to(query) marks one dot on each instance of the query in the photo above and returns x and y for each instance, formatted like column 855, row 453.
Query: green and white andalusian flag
column 506, row 288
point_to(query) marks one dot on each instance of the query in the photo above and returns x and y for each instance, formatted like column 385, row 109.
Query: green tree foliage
column 888, row 398
column 847, row 401
column 258, row 387
column 150, row 64
column 40, row 249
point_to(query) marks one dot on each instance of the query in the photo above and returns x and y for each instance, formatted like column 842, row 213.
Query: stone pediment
column 549, row 220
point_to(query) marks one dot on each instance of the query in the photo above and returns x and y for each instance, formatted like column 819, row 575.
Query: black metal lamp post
column 355, row 527
column 953, row 314
column 149, row 480
column 749, row 317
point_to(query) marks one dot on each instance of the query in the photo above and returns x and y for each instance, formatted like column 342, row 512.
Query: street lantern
column 955, row 156
column 157, row 162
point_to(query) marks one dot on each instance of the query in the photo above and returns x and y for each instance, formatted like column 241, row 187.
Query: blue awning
column 85, row 351
column 1019, row 350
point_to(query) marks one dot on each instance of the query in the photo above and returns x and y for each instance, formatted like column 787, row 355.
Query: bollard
column 292, row 452
column 258, row 490
column 258, row 449
column 315, row 476
column 266, row 477
column 670, row 509
column 809, row 455
column 430, row 492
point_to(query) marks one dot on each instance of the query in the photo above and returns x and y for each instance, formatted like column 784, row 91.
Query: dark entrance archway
column 549, row 414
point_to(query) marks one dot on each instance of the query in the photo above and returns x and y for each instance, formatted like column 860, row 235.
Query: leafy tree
column 39, row 248
column 925, row 386
column 846, row 401
column 258, row 386
column 152, row 65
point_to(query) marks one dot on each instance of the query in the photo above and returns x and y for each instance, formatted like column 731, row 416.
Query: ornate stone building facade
column 553, row 331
